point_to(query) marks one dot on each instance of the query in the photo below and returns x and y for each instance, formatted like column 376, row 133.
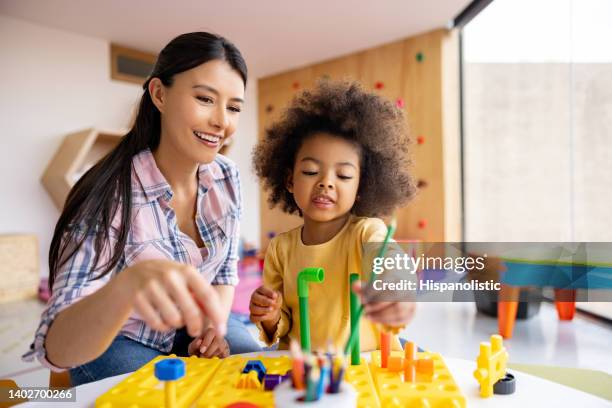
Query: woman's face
column 200, row 110
column 325, row 177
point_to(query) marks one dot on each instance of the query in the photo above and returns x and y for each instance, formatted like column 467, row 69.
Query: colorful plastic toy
column 316, row 275
column 425, row 390
column 257, row 366
column 169, row 371
column 491, row 365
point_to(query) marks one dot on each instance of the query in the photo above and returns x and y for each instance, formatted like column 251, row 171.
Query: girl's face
column 325, row 177
column 200, row 110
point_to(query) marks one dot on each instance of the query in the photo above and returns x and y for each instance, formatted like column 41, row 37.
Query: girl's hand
column 265, row 305
column 388, row 313
column 208, row 345
column 169, row 294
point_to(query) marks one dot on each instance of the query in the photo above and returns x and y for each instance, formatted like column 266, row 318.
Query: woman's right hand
column 168, row 294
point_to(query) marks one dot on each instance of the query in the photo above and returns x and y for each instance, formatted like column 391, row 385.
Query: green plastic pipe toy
column 354, row 337
column 316, row 275
column 355, row 353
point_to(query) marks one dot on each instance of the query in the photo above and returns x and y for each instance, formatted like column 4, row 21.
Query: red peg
column 420, row 140
column 379, row 85
column 296, row 85
column 399, row 102
column 422, row 223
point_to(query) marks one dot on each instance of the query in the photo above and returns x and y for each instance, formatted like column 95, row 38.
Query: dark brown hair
column 106, row 188
column 375, row 125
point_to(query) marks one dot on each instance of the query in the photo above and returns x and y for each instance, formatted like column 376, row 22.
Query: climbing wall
column 421, row 76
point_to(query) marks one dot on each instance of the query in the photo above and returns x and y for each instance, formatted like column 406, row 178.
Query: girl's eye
column 205, row 99
column 344, row 177
column 235, row 109
column 309, row 173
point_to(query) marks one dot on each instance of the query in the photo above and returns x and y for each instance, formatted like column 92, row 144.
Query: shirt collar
column 153, row 184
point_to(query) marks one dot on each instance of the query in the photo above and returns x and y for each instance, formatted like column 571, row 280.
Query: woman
column 147, row 241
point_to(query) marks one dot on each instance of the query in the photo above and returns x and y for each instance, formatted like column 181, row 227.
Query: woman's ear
column 157, row 91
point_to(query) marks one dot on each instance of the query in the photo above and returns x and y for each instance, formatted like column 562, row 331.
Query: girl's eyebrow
column 319, row 161
column 214, row 91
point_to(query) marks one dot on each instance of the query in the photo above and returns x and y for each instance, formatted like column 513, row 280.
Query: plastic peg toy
column 316, row 275
column 385, row 349
column 381, row 253
column 420, row 56
column 491, row 365
column 420, row 140
column 356, row 350
column 399, row 102
column 379, row 85
column 170, row 370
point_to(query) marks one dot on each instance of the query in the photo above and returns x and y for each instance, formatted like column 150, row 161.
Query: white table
column 531, row 391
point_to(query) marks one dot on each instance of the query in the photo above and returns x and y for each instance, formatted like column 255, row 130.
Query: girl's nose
column 323, row 185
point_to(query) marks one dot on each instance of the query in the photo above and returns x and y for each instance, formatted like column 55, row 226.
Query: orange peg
column 385, row 349
column 395, row 364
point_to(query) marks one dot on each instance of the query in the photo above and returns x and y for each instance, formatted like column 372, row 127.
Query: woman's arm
column 165, row 293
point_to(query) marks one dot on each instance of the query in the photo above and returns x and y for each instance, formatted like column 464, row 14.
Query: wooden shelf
column 78, row 152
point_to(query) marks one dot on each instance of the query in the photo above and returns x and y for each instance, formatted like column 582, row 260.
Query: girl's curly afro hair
column 343, row 109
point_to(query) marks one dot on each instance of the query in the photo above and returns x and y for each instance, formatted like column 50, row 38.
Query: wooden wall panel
column 422, row 73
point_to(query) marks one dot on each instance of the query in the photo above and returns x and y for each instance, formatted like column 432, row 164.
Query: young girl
column 338, row 158
column 147, row 241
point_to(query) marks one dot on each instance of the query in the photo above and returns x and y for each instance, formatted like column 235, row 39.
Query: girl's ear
column 157, row 91
column 289, row 182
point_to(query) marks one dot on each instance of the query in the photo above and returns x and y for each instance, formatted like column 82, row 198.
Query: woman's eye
column 309, row 173
column 235, row 109
column 344, row 177
column 205, row 99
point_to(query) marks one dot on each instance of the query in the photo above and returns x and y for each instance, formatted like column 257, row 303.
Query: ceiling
column 273, row 35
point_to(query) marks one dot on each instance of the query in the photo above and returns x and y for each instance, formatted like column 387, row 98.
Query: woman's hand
column 208, row 345
column 169, row 294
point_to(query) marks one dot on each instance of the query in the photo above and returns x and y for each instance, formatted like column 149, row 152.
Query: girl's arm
column 161, row 291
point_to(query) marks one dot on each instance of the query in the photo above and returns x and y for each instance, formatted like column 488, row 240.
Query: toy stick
column 316, row 275
column 297, row 373
column 381, row 253
column 355, row 353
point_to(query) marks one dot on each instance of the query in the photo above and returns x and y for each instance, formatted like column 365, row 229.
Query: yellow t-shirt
column 329, row 301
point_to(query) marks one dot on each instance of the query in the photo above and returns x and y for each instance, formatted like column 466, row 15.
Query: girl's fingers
column 192, row 316
column 260, row 311
column 261, row 300
column 267, row 292
column 208, row 300
column 144, row 308
column 375, row 307
column 165, row 306
column 207, row 340
column 213, row 349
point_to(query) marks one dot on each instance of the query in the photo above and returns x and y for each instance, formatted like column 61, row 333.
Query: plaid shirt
column 154, row 234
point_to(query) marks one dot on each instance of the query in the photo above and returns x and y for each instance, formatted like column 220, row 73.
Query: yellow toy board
column 359, row 377
column 213, row 383
column 223, row 389
column 442, row 391
column 143, row 390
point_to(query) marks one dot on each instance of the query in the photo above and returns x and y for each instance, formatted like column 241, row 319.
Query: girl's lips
column 322, row 202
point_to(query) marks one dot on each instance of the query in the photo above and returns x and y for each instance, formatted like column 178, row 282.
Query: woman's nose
column 218, row 118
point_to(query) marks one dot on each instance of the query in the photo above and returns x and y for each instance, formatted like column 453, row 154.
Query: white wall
column 54, row 82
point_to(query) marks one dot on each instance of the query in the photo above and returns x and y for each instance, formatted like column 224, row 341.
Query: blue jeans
column 125, row 355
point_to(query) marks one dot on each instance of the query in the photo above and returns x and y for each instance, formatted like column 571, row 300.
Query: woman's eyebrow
column 214, row 91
